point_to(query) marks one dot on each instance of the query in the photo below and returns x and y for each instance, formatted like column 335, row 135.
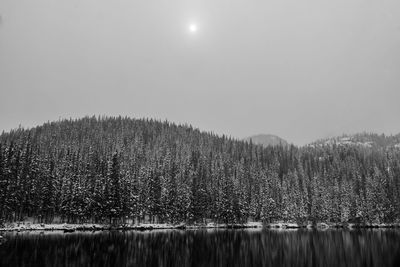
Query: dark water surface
column 203, row 248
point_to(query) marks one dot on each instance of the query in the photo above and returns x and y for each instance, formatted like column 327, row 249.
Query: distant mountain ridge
column 361, row 139
column 267, row 140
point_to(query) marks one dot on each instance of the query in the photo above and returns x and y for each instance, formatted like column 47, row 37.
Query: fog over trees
column 110, row 169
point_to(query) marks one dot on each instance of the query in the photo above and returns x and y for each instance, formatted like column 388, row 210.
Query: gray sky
column 298, row 69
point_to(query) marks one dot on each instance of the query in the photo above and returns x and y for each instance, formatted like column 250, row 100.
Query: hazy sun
column 193, row 27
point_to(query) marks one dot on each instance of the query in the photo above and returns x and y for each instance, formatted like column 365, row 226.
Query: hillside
column 267, row 140
column 114, row 168
column 369, row 140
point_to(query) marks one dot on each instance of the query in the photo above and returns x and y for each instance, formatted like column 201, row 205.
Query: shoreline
column 26, row 227
column 19, row 227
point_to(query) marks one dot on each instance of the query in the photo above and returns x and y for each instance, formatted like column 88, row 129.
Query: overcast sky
column 302, row 70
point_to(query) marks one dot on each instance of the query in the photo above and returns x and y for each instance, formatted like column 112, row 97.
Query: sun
column 193, row 28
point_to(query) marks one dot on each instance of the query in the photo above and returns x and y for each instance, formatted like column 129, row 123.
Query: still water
column 203, row 248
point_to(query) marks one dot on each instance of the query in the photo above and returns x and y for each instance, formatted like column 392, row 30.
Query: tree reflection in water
column 204, row 248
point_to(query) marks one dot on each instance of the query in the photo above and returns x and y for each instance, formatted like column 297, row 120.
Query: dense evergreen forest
column 110, row 169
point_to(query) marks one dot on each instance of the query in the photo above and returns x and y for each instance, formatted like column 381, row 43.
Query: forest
column 115, row 169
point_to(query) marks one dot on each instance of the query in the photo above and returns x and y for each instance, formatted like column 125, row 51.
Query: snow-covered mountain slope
column 368, row 140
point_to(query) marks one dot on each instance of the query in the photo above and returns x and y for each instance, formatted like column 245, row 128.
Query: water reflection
column 204, row 248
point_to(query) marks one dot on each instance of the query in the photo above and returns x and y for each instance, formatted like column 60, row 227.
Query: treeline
column 112, row 169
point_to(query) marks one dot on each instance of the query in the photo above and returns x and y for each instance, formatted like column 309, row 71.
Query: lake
column 203, row 248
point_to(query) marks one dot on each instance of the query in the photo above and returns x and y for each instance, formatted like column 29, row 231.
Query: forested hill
column 267, row 140
column 113, row 169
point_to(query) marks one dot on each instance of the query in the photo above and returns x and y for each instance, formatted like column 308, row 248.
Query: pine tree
column 113, row 189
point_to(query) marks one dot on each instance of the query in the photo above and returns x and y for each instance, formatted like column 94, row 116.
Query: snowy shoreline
column 103, row 227
column 144, row 227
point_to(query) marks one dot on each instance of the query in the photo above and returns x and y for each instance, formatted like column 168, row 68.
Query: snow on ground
column 22, row 226
column 26, row 226
column 254, row 224
column 282, row 225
